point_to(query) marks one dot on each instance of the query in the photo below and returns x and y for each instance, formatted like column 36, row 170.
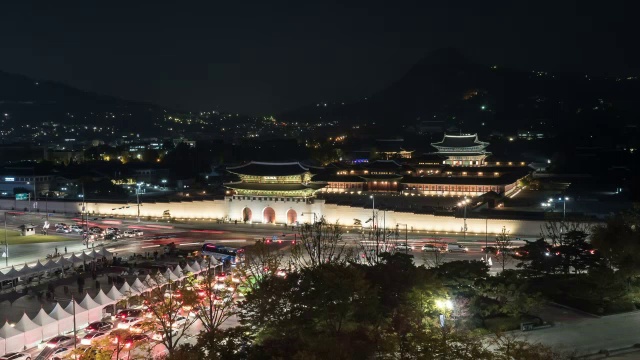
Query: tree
column 319, row 243
column 510, row 292
column 260, row 259
column 434, row 258
column 575, row 252
column 216, row 301
column 376, row 243
column 227, row 344
column 509, row 347
column 462, row 276
column 536, row 257
column 618, row 241
column 503, row 245
column 165, row 302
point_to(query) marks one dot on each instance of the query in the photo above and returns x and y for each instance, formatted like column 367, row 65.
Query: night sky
column 268, row 56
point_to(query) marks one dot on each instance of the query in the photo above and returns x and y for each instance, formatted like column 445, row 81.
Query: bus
column 235, row 255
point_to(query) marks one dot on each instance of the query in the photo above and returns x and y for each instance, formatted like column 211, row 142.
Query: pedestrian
column 236, row 221
column 56, row 253
column 65, row 249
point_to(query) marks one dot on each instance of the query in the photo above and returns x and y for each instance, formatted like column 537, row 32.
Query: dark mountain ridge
column 446, row 86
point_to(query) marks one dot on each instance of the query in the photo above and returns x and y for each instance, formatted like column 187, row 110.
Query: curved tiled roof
column 267, row 187
column 459, row 141
column 257, row 168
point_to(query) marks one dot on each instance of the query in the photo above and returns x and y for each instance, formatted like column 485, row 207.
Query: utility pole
column 373, row 211
column 6, row 242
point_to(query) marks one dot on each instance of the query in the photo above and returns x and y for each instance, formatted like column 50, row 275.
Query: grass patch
column 14, row 238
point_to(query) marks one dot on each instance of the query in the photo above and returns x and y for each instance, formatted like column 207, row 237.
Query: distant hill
column 32, row 101
column 447, row 86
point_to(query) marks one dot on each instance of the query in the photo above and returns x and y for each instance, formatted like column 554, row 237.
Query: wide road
column 192, row 235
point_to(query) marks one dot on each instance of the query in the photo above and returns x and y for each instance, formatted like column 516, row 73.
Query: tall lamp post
column 444, row 305
column 6, row 243
column 373, row 211
column 75, row 331
column 464, row 203
column 406, row 237
column 138, row 198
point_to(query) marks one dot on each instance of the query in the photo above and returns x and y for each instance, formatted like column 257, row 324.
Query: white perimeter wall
column 345, row 215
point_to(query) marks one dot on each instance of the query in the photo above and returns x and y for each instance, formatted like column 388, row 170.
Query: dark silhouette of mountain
column 446, row 86
column 30, row 101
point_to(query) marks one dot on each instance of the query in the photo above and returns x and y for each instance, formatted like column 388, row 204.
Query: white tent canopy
column 105, row 253
column 84, row 256
column 38, row 267
column 48, row 324
column 139, row 286
column 189, row 269
column 150, row 282
column 102, row 299
column 31, row 331
column 75, row 260
column 82, row 314
column 114, row 294
column 95, row 309
column 51, row 265
column 65, row 319
column 13, row 339
column 169, row 275
column 64, row 263
column 126, row 290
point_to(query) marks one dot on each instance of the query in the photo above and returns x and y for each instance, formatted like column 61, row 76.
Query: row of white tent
column 62, row 263
column 29, row 332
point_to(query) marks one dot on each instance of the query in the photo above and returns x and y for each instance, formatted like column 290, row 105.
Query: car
column 16, row 356
column 60, row 353
column 61, row 341
column 455, row 247
column 281, row 273
column 89, row 338
column 129, row 313
column 76, row 228
column 221, row 276
column 112, row 237
column 60, row 225
column 63, row 230
column 431, row 248
column 99, row 326
column 179, row 321
column 138, row 233
column 111, row 230
column 161, row 335
column 129, row 233
column 131, row 340
column 141, row 327
column 127, row 322
column 403, row 247
column 490, row 250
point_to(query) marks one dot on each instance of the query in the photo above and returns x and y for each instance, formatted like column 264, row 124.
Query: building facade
column 462, row 150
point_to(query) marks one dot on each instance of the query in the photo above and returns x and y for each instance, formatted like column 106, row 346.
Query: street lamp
column 464, row 203
column 6, row 242
column 138, row 198
column 75, row 332
column 373, row 211
column 406, row 237
column 444, row 305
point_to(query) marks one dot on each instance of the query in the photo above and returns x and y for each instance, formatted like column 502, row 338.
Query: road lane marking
column 149, row 246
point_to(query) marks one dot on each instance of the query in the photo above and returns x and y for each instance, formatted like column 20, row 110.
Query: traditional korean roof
column 256, row 168
column 383, row 165
column 381, row 177
column 464, row 180
column 460, row 141
column 269, row 187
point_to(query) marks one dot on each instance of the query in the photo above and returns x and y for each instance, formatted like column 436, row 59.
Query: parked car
column 128, row 322
column 61, row 341
column 141, row 327
column 455, row 247
column 89, row 338
column 161, row 335
column 129, row 313
column 16, row 356
column 131, row 340
column 99, row 326
column 179, row 321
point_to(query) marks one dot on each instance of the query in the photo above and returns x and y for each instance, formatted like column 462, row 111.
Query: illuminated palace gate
column 272, row 190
